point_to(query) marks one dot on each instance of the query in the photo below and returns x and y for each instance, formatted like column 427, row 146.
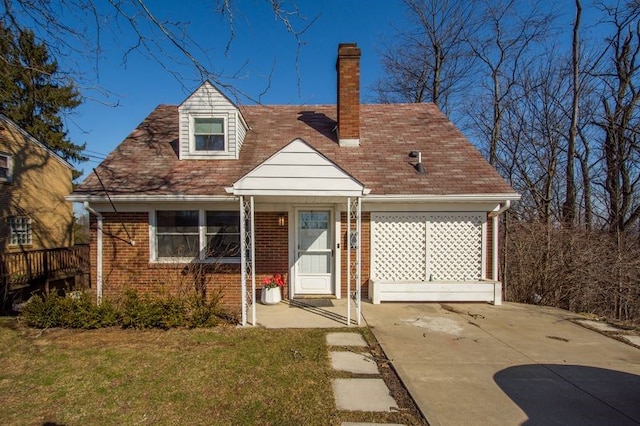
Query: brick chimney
column 348, row 67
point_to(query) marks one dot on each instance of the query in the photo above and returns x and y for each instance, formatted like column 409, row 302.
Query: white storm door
column 314, row 254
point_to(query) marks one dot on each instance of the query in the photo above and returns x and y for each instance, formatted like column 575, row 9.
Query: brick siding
column 127, row 266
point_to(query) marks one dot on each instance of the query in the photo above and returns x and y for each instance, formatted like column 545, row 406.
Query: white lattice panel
column 455, row 246
column 399, row 246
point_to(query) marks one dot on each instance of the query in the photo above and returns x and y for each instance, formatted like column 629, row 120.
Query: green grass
column 222, row 376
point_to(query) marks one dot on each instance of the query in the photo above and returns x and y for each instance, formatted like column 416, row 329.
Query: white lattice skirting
column 443, row 291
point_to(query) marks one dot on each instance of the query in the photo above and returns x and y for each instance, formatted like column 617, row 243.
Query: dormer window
column 211, row 126
column 209, row 134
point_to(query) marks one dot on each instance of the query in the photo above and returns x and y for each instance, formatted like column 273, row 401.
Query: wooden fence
column 37, row 268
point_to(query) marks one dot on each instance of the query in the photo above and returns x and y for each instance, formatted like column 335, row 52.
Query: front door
column 314, row 254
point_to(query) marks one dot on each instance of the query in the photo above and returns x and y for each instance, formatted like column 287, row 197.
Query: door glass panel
column 313, row 233
column 316, row 263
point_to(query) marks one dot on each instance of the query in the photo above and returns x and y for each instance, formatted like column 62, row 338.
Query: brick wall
column 127, row 266
column 272, row 248
column 365, row 240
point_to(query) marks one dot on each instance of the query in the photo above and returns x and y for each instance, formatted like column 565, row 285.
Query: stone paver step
column 357, row 363
column 370, row 424
column 363, row 395
column 346, row 339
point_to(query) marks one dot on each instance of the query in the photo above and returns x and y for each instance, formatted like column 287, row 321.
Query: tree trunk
column 569, row 207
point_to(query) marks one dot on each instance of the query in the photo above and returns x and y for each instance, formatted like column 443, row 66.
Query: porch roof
column 299, row 170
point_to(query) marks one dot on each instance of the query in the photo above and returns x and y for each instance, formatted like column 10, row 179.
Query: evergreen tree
column 32, row 93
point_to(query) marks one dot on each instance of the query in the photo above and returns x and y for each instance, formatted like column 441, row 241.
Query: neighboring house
column 390, row 197
column 34, row 182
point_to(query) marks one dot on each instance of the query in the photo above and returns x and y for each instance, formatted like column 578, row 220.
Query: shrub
column 576, row 269
column 53, row 310
column 43, row 312
column 130, row 311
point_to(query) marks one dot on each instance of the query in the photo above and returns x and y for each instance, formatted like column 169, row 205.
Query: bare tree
column 429, row 60
column 569, row 206
column 506, row 47
column 621, row 119
column 76, row 28
column 530, row 153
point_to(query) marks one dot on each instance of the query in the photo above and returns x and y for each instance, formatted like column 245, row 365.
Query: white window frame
column 9, row 167
column 20, row 231
column 192, row 135
column 202, row 239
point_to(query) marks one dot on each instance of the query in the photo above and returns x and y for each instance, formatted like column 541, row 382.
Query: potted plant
column 271, row 289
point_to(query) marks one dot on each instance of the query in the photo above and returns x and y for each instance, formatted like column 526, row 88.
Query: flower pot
column 270, row 296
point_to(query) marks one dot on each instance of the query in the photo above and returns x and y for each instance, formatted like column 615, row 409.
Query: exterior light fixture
column 281, row 220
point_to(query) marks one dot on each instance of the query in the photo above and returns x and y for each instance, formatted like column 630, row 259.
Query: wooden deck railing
column 43, row 265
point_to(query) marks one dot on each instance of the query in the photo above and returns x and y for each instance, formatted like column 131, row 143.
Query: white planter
column 270, row 296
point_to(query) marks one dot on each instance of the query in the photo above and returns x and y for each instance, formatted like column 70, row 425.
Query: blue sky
column 119, row 93
column 261, row 48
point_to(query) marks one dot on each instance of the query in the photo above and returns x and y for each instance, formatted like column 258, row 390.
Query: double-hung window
column 223, row 234
column 209, row 134
column 19, row 231
column 185, row 235
column 5, row 167
column 177, row 234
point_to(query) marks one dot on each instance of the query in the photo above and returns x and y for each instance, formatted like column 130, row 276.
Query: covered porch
column 319, row 208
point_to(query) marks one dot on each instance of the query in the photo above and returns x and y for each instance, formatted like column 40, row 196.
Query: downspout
column 99, row 216
column 494, row 215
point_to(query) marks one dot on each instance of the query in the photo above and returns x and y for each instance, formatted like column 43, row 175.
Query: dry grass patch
column 213, row 376
column 221, row 376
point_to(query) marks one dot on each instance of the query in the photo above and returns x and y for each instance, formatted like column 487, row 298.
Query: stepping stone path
column 357, row 394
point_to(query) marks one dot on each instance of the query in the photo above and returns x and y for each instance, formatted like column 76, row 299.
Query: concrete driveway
column 477, row 364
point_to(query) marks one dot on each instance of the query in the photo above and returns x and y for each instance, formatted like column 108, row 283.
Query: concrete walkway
column 507, row 365
column 305, row 313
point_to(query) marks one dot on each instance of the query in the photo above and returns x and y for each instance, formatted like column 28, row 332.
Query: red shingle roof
column 146, row 162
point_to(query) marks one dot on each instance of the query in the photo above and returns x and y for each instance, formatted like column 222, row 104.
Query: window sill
column 207, row 155
column 188, row 261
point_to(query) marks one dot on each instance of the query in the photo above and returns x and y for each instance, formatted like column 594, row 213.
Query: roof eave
column 79, row 198
column 449, row 198
column 35, row 141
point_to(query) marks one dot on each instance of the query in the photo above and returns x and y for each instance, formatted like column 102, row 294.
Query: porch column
column 247, row 256
column 354, row 226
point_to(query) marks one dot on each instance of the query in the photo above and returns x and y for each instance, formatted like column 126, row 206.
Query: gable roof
column 146, row 163
column 297, row 169
column 31, row 139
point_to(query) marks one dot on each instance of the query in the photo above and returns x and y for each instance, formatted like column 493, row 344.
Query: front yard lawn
column 224, row 375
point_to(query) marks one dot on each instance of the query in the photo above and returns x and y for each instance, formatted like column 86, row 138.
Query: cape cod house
column 385, row 201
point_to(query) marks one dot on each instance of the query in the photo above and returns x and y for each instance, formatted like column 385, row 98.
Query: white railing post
column 348, row 260
column 243, row 262
column 247, row 256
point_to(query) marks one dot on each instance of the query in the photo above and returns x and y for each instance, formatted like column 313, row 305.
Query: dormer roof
column 210, row 127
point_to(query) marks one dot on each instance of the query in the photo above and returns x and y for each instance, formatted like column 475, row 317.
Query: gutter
column 504, row 208
column 79, row 198
column 99, row 216
column 462, row 198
